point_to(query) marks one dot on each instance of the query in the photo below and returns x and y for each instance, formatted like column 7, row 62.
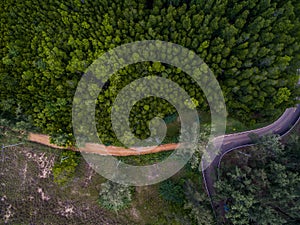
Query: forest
column 251, row 46
column 46, row 47
column 262, row 187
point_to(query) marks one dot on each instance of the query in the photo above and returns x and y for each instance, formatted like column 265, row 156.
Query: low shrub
column 65, row 169
column 114, row 196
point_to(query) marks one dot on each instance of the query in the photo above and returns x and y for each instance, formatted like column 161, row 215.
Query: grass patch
column 142, row 160
column 232, row 126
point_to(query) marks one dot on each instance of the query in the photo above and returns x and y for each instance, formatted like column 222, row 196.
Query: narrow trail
column 105, row 150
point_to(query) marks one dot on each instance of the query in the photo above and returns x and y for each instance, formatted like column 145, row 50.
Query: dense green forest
column 252, row 46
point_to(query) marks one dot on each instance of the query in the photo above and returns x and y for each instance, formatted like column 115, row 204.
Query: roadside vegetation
column 260, row 185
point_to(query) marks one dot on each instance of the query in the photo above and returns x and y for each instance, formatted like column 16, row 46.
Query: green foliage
column 114, row 196
column 283, row 95
column 147, row 159
column 251, row 46
column 268, row 146
column 62, row 139
column 193, row 104
column 265, row 191
column 292, row 152
column 64, row 170
column 172, row 191
column 198, row 205
column 195, row 161
column 9, row 135
column 15, row 119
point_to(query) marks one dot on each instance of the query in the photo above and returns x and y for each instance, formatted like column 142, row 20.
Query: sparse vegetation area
column 29, row 193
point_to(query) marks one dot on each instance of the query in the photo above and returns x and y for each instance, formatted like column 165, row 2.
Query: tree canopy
column 266, row 189
column 252, row 47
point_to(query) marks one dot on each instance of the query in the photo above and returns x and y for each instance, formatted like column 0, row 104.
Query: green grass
column 235, row 126
column 232, row 126
column 142, row 160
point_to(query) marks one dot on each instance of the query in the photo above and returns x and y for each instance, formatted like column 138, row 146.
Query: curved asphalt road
column 231, row 142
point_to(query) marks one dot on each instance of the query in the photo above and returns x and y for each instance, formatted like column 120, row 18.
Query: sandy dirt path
column 105, row 150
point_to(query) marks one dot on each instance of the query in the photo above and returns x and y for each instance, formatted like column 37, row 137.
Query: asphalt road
column 235, row 141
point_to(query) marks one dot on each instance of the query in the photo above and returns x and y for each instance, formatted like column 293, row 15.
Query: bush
column 172, row 191
column 114, row 196
column 62, row 139
column 64, row 170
